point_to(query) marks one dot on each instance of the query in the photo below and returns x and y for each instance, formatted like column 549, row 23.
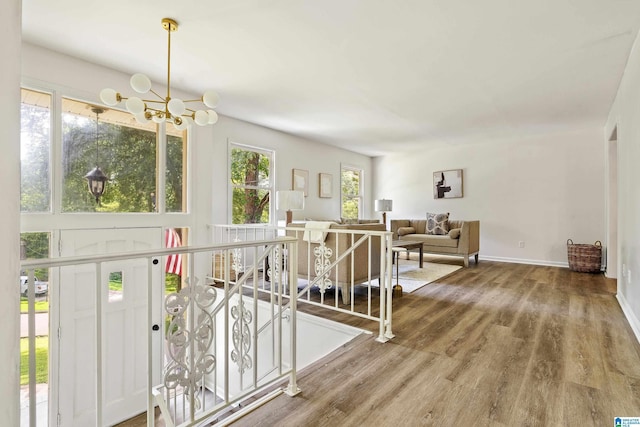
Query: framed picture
column 300, row 181
column 325, row 185
column 447, row 184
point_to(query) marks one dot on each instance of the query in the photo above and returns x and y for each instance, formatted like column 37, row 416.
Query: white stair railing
column 325, row 265
column 223, row 345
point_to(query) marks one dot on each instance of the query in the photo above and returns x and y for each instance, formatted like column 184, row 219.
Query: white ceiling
column 373, row 76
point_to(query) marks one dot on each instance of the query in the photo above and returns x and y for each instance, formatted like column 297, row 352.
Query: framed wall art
column 300, row 181
column 325, row 185
column 447, row 184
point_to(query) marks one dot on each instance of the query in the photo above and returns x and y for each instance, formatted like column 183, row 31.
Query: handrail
column 194, row 305
column 384, row 318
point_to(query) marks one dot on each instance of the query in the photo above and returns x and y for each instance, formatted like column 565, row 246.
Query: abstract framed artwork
column 325, row 185
column 447, row 184
column 300, row 181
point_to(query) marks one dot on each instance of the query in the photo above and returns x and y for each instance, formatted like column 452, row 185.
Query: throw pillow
column 454, row 233
column 403, row 231
column 437, row 223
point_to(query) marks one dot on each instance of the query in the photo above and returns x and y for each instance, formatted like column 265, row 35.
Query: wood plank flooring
column 494, row 344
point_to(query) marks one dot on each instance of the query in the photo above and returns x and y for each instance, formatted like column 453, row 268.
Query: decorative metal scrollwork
column 236, row 259
column 275, row 263
column 241, row 334
column 322, row 262
column 181, row 341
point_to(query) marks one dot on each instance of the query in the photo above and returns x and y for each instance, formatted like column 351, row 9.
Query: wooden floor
column 494, row 344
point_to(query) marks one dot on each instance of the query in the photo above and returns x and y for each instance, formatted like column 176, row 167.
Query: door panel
column 124, row 321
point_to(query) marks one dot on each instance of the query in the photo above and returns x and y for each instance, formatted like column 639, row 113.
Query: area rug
column 412, row 277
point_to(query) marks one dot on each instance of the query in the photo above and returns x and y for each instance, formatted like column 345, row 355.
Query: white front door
column 125, row 327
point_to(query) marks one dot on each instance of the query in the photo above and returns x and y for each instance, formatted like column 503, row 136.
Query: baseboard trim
column 628, row 313
column 525, row 261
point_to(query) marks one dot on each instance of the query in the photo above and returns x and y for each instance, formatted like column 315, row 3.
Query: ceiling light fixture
column 96, row 179
column 168, row 109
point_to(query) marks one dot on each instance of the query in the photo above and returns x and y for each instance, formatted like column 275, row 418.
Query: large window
column 126, row 151
column 35, row 149
column 351, row 192
column 251, row 184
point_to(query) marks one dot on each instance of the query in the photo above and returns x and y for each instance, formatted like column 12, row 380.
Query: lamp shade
column 289, row 200
column 384, row 205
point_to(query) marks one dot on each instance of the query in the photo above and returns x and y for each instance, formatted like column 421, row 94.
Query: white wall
column 540, row 190
column 10, row 21
column 625, row 115
column 76, row 78
column 290, row 152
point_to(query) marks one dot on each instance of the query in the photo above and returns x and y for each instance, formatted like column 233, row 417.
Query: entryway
column 121, row 370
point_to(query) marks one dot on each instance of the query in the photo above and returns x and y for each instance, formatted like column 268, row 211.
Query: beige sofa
column 463, row 238
column 340, row 242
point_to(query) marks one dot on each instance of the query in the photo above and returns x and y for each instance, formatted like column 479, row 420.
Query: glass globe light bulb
column 140, row 83
column 141, row 118
column 213, row 117
column 182, row 126
column 135, row 105
column 176, row 107
column 201, row 118
column 158, row 118
column 109, row 96
column 210, row 99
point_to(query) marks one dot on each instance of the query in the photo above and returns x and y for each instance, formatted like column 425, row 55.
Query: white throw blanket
column 313, row 231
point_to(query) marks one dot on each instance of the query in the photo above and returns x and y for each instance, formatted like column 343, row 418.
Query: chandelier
column 165, row 108
column 96, row 179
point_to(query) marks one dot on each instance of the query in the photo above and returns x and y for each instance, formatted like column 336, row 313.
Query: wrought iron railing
column 350, row 275
column 222, row 343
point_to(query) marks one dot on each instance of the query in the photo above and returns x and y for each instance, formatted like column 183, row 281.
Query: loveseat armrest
column 397, row 223
column 469, row 238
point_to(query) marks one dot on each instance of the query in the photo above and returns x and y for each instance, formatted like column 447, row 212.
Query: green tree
column 35, row 142
column 36, row 246
column 126, row 155
column 174, row 173
column 250, row 181
column 350, row 182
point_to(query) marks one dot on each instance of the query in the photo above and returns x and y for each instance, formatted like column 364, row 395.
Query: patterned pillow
column 437, row 223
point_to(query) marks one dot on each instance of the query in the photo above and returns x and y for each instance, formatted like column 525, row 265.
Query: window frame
column 56, row 167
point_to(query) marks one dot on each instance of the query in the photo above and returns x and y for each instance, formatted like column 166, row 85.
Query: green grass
column 42, row 360
column 115, row 285
column 41, row 306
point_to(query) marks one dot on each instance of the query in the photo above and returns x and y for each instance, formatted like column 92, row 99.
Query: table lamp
column 384, row 206
column 289, row 200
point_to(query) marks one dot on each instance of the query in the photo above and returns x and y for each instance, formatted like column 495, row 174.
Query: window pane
column 123, row 149
column 251, row 186
column 350, row 190
column 176, row 168
column 250, row 206
column 35, row 143
column 249, row 168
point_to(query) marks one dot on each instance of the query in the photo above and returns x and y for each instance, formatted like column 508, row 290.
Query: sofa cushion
column 434, row 240
column 420, row 225
column 454, row 233
column 438, row 223
column 403, row 231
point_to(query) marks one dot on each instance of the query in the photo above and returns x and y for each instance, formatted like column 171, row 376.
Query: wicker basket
column 584, row 258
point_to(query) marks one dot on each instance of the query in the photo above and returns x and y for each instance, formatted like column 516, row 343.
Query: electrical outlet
column 521, row 244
